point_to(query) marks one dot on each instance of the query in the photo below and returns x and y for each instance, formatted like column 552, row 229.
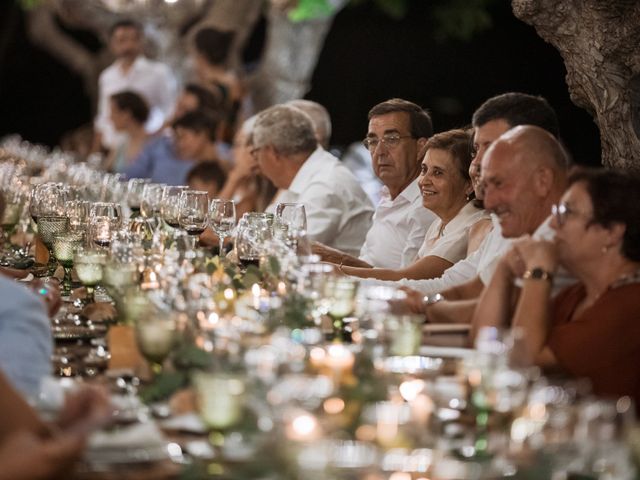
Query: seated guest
column 447, row 191
column 128, row 113
column 397, row 133
column 195, row 97
column 592, row 328
column 159, row 159
column 493, row 118
column 251, row 191
column 207, row 176
column 196, row 137
column 338, row 211
column 319, row 117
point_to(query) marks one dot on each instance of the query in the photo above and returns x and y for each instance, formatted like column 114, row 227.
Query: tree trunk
column 598, row 41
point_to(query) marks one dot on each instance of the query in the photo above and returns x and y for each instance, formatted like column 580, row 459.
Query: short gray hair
column 287, row 128
column 319, row 116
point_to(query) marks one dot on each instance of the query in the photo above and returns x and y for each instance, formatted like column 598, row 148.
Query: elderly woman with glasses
column 448, row 192
column 590, row 329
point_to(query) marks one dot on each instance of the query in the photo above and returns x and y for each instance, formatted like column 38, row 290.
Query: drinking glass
column 101, row 230
column 89, row 263
column 107, row 209
column 48, row 227
column 222, row 214
column 64, row 247
column 135, row 187
column 220, row 400
column 155, row 336
column 78, row 213
column 170, row 205
column 252, row 237
column 47, row 200
column 11, row 215
column 291, row 216
column 150, row 202
column 192, row 214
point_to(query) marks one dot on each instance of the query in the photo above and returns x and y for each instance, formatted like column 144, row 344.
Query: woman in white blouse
column 446, row 190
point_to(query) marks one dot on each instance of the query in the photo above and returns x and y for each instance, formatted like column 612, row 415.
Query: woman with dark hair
column 590, row 329
column 129, row 113
column 447, row 191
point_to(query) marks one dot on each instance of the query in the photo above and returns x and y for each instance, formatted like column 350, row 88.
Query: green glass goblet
column 89, row 263
column 64, row 248
column 48, row 227
column 156, row 337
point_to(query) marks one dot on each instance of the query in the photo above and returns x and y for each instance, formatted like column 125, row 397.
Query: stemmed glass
column 170, row 204
column 155, row 336
column 192, row 214
column 291, row 216
column 48, row 227
column 151, row 200
column 222, row 215
column 11, row 215
column 101, row 230
column 64, row 247
column 78, row 213
column 135, row 187
column 47, row 200
column 89, row 263
column 107, row 209
column 252, row 237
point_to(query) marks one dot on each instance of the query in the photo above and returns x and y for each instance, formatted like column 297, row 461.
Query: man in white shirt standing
column 131, row 70
column 397, row 132
column 285, row 146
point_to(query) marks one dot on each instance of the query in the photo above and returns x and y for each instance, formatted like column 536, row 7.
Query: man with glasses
column 397, row 133
column 285, row 146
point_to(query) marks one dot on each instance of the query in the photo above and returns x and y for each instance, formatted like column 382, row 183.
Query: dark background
column 368, row 57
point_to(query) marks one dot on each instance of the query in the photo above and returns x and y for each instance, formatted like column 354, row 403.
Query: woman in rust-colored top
column 591, row 329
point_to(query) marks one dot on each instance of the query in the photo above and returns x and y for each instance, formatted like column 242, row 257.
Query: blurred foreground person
column 128, row 113
column 590, row 329
column 33, row 450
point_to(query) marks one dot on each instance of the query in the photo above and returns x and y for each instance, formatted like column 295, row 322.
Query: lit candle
column 339, row 359
column 303, row 427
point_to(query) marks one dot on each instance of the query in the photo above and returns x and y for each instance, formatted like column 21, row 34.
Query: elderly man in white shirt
column 397, row 132
column 338, row 210
column 133, row 71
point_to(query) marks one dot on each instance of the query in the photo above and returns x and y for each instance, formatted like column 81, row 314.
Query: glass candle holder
column 155, row 336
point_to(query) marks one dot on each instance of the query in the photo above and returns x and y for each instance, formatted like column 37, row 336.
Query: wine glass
column 252, row 237
column 291, row 216
column 48, row 200
column 155, row 336
column 170, row 204
column 222, row 214
column 48, row 227
column 89, row 263
column 192, row 214
column 135, row 188
column 11, row 214
column 64, row 247
column 78, row 213
column 109, row 210
column 150, row 201
column 102, row 229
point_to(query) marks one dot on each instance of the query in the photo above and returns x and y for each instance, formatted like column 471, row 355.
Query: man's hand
column 537, row 253
column 25, row 456
column 414, row 300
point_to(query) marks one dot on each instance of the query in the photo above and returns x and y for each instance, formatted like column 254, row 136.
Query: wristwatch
column 538, row 273
column 431, row 299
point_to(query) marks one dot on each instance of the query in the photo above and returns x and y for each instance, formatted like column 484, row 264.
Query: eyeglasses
column 562, row 211
column 390, row 140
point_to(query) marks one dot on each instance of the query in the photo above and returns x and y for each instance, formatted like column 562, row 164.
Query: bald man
column 524, row 172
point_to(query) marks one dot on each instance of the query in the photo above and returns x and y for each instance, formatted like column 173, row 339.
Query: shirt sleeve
column 324, row 211
column 25, row 339
column 415, row 239
column 142, row 166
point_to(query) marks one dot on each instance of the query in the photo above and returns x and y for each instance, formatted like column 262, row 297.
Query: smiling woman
column 447, row 191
